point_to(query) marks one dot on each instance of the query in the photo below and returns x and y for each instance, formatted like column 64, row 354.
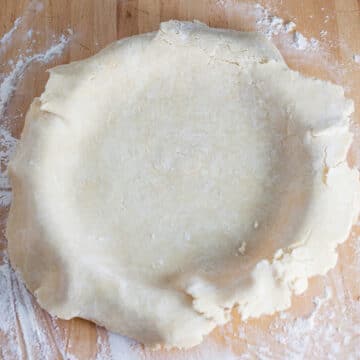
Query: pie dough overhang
column 73, row 283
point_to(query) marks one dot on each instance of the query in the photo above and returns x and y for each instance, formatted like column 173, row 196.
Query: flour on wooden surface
column 271, row 25
column 7, row 146
column 23, row 324
column 8, row 85
column 10, row 81
column 329, row 330
column 7, row 37
column 31, row 333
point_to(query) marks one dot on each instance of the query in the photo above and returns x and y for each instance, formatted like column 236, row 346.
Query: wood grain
column 96, row 23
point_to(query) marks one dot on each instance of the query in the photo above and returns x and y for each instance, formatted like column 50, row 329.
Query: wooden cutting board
column 322, row 322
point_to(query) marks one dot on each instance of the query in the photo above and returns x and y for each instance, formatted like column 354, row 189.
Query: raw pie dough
column 175, row 175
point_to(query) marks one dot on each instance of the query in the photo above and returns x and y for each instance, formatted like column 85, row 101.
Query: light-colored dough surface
column 151, row 178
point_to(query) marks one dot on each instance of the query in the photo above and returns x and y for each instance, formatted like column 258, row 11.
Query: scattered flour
column 121, row 345
column 323, row 33
column 10, row 81
column 220, row 3
column 29, row 33
column 328, row 331
column 24, row 330
column 8, row 84
column 289, row 26
column 301, row 52
column 7, row 146
column 283, row 32
column 6, row 39
column 272, row 25
column 30, row 333
column 297, row 332
column 19, row 321
column 300, row 41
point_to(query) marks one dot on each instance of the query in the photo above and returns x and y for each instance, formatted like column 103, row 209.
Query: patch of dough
column 144, row 169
